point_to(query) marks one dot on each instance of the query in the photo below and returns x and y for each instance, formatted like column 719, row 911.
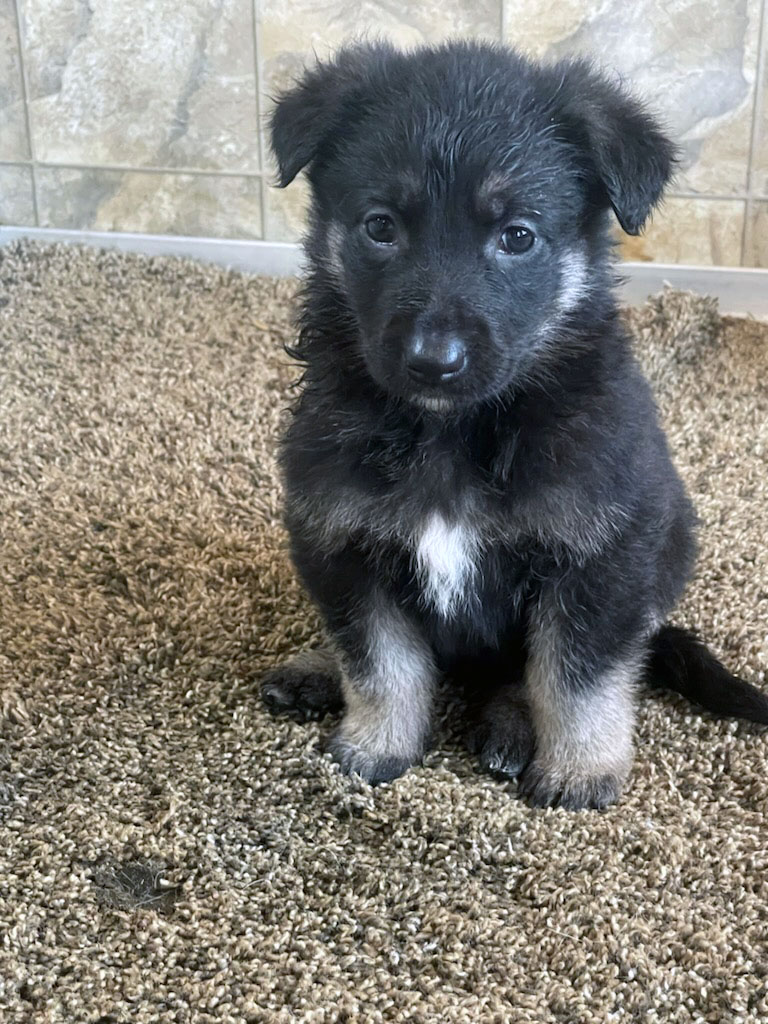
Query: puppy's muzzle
column 435, row 360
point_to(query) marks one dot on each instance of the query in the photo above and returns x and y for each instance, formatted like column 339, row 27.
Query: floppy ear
column 627, row 150
column 308, row 115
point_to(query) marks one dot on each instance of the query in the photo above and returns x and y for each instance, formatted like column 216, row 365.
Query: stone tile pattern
column 117, row 123
column 13, row 134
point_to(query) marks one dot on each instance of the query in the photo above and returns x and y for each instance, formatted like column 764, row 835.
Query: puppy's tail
column 680, row 661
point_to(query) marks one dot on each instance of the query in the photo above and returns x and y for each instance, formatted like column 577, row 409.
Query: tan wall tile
column 285, row 210
column 173, row 86
column 13, row 130
column 757, row 236
column 174, row 204
column 16, row 205
column 760, row 155
column 694, row 61
column 291, row 34
column 177, row 88
column 702, row 232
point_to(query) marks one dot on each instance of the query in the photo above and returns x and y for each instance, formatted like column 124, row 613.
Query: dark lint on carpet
column 170, row 853
column 134, row 885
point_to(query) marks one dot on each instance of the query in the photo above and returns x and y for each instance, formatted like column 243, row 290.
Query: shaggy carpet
column 170, row 853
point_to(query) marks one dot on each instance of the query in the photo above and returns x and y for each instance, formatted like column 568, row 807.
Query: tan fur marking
column 579, row 736
column 389, row 709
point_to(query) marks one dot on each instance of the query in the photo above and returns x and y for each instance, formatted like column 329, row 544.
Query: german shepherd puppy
column 476, row 484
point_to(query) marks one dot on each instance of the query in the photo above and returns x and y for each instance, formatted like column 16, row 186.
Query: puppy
column 477, row 488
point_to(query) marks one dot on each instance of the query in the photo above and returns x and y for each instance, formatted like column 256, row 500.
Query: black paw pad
column 300, row 694
column 544, row 788
column 374, row 768
column 504, row 746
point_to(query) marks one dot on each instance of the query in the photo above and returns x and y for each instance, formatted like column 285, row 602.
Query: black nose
column 433, row 361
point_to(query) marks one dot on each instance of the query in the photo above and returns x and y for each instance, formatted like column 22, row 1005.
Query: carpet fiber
column 170, row 853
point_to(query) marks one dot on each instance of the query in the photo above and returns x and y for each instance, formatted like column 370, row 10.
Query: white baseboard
column 738, row 289
column 742, row 290
column 279, row 259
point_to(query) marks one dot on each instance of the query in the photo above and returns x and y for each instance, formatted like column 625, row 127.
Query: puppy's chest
column 448, row 534
column 430, row 525
column 447, row 555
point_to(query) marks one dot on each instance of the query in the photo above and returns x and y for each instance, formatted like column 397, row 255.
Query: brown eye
column 381, row 229
column 516, row 239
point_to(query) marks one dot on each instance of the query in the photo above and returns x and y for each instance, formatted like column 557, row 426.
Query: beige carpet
column 169, row 853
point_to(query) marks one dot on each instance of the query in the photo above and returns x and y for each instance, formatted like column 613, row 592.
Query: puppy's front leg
column 582, row 704
column 388, row 682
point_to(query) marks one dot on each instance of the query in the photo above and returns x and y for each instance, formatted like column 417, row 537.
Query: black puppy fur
column 477, row 487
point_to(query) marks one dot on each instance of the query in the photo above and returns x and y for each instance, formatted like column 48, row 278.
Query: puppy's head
column 459, row 206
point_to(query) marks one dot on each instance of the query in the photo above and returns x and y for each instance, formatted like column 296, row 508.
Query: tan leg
column 388, row 694
column 583, row 718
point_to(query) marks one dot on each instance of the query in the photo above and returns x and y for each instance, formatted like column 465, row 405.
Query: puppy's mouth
column 436, row 393
column 434, row 403
column 437, row 398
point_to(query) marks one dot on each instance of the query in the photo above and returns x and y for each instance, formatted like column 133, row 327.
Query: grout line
column 746, row 233
column 27, row 115
column 135, row 169
column 259, row 111
column 761, row 83
column 265, row 176
column 717, row 196
column 132, row 169
column 197, row 172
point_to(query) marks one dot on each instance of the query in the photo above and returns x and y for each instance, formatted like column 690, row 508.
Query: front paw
column 547, row 786
column 373, row 767
column 305, row 688
column 503, row 744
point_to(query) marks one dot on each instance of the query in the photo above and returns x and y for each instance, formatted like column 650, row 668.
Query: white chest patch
column 446, row 555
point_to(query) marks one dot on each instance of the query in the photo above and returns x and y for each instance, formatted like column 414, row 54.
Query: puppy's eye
column 516, row 239
column 381, row 228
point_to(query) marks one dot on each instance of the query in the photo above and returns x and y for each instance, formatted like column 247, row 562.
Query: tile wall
column 125, row 116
